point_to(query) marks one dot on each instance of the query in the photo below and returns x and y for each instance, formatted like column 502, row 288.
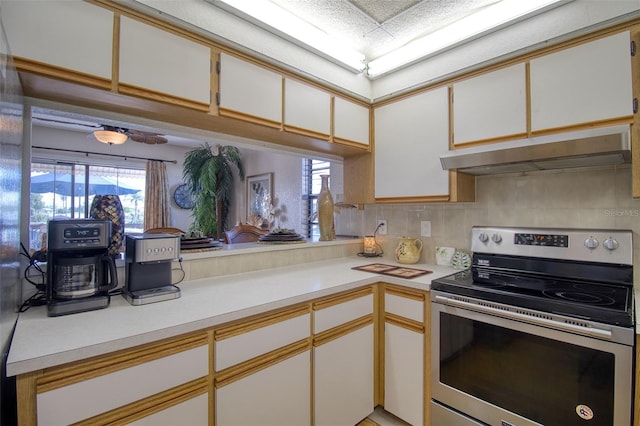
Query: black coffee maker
column 80, row 272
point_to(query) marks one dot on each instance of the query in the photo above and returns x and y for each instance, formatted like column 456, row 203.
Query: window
column 63, row 190
column 311, row 185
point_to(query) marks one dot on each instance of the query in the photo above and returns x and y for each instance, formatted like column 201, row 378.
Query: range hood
column 592, row 147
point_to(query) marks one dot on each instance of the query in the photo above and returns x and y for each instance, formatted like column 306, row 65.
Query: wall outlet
column 382, row 226
column 425, row 228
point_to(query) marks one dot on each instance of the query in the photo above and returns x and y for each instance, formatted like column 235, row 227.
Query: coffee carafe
column 80, row 272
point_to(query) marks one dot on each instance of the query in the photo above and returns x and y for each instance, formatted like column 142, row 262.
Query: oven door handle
column 593, row 332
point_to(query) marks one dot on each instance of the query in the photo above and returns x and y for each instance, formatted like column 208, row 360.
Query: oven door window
column 544, row 380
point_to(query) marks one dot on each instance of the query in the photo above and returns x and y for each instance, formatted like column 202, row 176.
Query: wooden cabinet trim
column 60, row 73
column 229, row 113
column 252, row 366
column 342, row 330
column 635, row 137
column 67, row 374
column 128, row 89
column 26, row 398
column 337, row 139
column 425, row 199
column 462, row 187
column 249, row 324
column 147, row 406
column 306, row 132
column 403, row 322
column 406, row 292
column 340, row 298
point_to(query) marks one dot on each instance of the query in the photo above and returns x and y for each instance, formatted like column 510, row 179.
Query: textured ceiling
column 376, row 27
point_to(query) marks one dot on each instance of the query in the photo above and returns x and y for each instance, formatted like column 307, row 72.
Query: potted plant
column 208, row 173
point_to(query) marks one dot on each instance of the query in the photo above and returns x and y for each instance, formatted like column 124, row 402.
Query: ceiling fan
column 119, row 135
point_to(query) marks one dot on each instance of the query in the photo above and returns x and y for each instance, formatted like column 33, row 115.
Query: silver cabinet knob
column 591, row 243
column 496, row 238
column 483, row 237
column 610, row 244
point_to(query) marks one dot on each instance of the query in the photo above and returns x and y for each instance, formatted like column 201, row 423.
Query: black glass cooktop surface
column 602, row 302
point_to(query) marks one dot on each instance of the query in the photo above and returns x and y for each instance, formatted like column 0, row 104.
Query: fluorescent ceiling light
column 281, row 20
column 489, row 18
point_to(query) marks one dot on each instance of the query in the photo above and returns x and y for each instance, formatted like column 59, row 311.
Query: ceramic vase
column 408, row 250
column 325, row 211
column 109, row 207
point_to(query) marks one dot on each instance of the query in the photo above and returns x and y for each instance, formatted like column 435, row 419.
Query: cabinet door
column 154, row 59
column 249, row 92
column 410, row 135
column 307, row 110
column 350, row 122
column 582, row 84
column 490, row 106
column 404, row 373
column 70, row 34
column 275, row 396
column 343, row 379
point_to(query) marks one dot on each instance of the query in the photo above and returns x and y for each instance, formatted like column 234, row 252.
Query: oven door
column 504, row 371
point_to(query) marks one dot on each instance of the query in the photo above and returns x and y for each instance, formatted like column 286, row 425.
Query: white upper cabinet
column 410, row 136
column 306, row 108
column 69, row 34
column 586, row 83
column 491, row 105
column 153, row 59
column 250, row 89
column 350, row 121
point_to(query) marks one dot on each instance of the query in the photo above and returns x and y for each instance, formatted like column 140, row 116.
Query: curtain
column 156, row 200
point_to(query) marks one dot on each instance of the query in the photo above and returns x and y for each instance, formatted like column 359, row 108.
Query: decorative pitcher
column 408, row 250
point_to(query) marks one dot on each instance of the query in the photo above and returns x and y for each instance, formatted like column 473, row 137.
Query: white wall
column 287, row 186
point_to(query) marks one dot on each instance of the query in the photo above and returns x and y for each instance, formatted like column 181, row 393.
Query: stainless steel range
column 539, row 331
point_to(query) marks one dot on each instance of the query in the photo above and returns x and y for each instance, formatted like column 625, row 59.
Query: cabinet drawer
column 103, row 393
column 242, row 347
column 333, row 316
column 404, row 307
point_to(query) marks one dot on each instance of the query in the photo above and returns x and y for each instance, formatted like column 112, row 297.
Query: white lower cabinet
column 343, row 378
column 278, row 395
column 404, row 374
column 170, row 382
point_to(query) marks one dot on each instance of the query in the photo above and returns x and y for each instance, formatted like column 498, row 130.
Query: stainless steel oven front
column 502, row 365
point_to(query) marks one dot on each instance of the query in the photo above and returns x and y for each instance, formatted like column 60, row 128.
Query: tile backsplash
column 595, row 197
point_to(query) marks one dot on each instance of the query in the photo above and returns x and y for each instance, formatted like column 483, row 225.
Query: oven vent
column 534, row 314
column 491, row 305
column 577, row 323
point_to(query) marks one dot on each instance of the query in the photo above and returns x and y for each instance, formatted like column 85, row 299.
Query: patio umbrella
column 61, row 184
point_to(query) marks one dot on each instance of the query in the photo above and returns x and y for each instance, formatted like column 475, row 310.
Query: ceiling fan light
column 111, row 137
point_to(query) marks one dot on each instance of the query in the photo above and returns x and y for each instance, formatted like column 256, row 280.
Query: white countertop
column 40, row 341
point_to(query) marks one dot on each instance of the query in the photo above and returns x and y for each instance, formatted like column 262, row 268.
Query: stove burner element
column 580, row 297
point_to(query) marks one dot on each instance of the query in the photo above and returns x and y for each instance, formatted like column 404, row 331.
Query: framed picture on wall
column 259, row 195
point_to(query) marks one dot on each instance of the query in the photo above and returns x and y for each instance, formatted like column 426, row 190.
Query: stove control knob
column 591, row 243
column 610, row 244
column 483, row 237
column 496, row 238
